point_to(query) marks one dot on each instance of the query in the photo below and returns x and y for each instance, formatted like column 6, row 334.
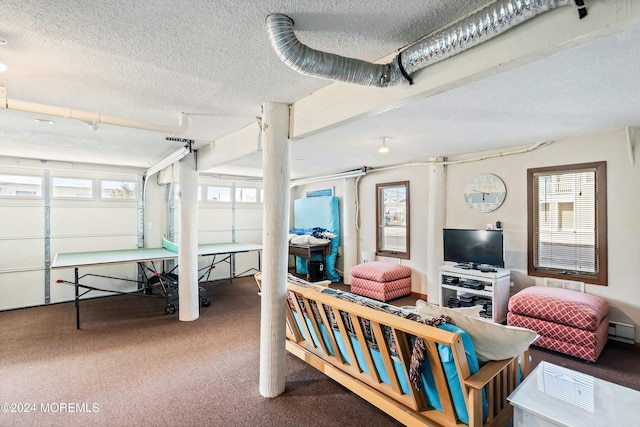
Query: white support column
column 188, row 240
column 275, row 249
column 349, row 234
column 435, row 224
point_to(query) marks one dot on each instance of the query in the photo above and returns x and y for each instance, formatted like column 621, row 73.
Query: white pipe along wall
column 91, row 118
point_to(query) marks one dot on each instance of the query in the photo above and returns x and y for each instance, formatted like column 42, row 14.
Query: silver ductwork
column 475, row 29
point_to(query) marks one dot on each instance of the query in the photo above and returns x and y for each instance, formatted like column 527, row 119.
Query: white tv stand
column 452, row 281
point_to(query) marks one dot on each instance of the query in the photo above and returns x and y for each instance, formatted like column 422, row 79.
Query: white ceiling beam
column 232, row 147
column 555, row 31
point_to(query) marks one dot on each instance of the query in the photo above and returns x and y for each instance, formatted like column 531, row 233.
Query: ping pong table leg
column 77, row 300
column 232, row 267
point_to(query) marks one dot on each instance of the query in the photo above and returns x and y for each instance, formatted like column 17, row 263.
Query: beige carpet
column 132, row 365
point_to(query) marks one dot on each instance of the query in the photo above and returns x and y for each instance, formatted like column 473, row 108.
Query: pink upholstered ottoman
column 569, row 322
column 383, row 281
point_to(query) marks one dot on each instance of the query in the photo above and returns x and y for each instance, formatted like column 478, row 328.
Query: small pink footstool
column 379, row 280
column 566, row 321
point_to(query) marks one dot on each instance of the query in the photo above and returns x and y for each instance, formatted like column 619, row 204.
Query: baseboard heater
column 619, row 331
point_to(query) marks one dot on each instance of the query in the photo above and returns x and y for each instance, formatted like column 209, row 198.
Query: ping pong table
column 141, row 256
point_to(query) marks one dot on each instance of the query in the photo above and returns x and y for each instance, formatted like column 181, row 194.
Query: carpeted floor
column 132, row 365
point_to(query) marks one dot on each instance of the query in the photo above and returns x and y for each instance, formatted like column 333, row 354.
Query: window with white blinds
column 567, row 222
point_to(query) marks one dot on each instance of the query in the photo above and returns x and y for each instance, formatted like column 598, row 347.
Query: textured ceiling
column 151, row 60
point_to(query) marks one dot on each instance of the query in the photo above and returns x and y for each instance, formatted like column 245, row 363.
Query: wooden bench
column 380, row 373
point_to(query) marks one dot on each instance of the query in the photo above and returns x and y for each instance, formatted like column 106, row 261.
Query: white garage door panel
column 21, row 221
column 213, row 236
column 214, row 219
column 22, row 253
column 21, row 289
column 85, row 220
column 91, row 243
column 246, row 218
column 249, row 236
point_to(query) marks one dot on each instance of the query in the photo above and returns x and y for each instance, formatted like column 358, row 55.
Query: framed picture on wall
column 322, row 192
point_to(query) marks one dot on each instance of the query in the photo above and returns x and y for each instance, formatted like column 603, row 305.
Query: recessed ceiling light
column 44, row 121
column 3, row 41
column 383, row 148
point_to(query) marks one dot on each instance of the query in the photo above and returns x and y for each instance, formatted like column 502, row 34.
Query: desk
column 306, row 251
column 76, row 260
column 554, row 396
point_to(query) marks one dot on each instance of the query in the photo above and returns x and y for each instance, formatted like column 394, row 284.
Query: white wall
column 623, row 290
column 418, row 178
column 623, row 205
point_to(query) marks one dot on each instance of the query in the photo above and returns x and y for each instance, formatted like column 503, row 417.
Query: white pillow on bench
column 491, row 341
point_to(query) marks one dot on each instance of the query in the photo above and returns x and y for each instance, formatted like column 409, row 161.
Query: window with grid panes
column 567, row 231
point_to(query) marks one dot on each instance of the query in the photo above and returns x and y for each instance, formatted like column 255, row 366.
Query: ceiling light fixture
column 50, row 122
column 384, row 148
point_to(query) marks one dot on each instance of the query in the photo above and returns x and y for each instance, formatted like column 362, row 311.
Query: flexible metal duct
column 477, row 28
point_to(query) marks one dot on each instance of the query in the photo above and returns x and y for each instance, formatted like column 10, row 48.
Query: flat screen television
column 474, row 247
